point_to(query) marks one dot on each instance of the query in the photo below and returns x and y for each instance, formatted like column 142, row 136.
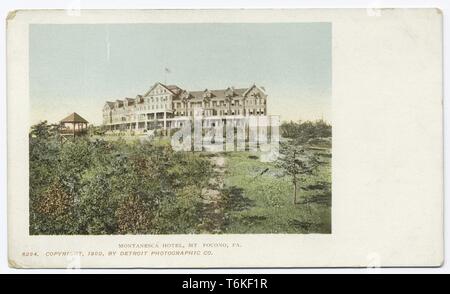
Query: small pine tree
column 296, row 162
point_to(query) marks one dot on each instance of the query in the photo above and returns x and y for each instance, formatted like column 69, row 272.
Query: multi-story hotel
column 167, row 106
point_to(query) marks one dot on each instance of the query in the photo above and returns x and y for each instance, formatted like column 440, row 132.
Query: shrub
column 55, row 210
column 135, row 216
column 82, row 186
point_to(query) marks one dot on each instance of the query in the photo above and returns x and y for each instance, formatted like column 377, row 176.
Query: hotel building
column 167, row 106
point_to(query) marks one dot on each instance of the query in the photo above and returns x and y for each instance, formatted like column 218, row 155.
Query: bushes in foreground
column 98, row 187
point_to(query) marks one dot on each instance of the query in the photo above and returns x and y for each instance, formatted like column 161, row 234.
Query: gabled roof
column 207, row 94
column 129, row 101
column 174, row 89
column 110, row 104
column 171, row 88
column 254, row 86
column 185, row 95
column 74, row 118
column 139, row 99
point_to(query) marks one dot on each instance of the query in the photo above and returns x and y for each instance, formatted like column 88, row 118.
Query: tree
column 304, row 132
column 43, row 130
column 296, row 162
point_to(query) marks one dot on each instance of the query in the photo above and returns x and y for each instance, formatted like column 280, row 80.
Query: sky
column 76, row 68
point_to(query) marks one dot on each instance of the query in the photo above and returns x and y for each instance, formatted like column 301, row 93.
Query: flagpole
column 166, row 71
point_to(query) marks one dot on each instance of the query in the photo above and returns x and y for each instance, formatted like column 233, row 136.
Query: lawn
column 262, row 195
column 267, row 197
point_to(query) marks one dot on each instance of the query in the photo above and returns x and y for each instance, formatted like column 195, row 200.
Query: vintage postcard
column 225, row 138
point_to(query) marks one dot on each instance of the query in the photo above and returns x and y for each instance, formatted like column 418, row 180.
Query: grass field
column 262, row 195
column 266, row 197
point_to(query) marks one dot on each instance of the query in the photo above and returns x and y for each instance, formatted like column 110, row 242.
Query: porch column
column 164, row 121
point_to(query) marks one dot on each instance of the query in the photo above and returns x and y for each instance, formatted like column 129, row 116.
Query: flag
column 167, row 70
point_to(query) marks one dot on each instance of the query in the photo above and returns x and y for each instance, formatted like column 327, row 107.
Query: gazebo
column 74, row 125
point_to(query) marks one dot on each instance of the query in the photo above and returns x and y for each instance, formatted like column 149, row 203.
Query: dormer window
column 229, row 92
column 207, row 94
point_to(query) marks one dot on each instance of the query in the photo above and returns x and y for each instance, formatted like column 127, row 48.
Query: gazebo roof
column 74, row 118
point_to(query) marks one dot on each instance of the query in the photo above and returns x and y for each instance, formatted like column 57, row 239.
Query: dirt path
column 214, row 214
